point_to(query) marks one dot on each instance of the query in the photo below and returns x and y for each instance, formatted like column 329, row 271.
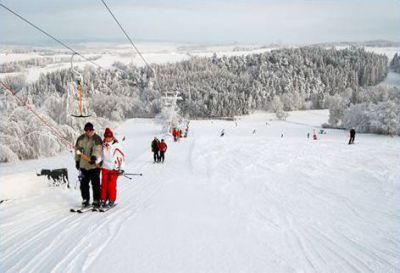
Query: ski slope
column 240, row 203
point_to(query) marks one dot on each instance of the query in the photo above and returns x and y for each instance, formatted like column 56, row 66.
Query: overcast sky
column 204, row 21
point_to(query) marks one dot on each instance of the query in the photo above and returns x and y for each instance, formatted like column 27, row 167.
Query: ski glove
column 93, row 159
column 121, row 172
column 77, row 165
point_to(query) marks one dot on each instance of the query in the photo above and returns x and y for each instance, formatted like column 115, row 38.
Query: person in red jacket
column 175, row 134
column 315, row 137
column 163, row 149
column 113, row 165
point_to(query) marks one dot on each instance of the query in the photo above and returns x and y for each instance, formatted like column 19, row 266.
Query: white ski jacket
column 113, row 156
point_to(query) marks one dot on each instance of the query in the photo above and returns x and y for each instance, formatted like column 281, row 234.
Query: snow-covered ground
column 240, row 203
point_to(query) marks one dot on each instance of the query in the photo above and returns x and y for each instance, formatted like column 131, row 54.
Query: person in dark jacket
column 88, row 152
column 155, row 149
column 352, row 136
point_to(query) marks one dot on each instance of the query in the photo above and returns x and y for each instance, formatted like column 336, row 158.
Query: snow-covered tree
column 378, row 113
column 277, row 107
column 395, row 63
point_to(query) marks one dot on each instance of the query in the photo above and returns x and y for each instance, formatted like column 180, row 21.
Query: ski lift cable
column 49, row 35
column 57, row 40
column 65, row 141
column 127, row 36
column 133, row 45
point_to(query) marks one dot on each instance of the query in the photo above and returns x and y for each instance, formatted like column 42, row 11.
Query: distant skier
column 155, row 149
column 254, row 131
column 175, row 134
column 179, row 133
column 308, row 135
column 352, row 136
column 315, row 135
column 222, row 132
column 186, row 129
column 113, row 166
column 163, row 149
column 89, row 144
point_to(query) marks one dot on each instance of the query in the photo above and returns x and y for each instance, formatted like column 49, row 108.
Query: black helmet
column 88, row 126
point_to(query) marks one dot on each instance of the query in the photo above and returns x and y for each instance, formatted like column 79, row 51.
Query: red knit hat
column 108, row 133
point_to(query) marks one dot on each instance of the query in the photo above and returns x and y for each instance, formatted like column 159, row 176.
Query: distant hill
column 372, row 43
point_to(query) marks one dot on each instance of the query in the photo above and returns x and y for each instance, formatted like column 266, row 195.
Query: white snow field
column 240, row 203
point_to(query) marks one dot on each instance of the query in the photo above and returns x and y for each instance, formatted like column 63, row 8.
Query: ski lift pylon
column 77, row 91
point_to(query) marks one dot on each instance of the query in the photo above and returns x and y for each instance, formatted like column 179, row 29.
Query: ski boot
column 96, row 204
column 85, row 203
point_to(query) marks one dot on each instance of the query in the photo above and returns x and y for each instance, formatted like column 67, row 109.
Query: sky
column 205, row 21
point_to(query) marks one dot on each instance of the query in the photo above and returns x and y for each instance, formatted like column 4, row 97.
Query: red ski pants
column 109, row 184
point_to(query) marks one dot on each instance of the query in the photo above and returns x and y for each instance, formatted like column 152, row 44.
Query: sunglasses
column 89, row 130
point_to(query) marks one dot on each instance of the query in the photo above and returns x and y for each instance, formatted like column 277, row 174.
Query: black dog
column 59, row 176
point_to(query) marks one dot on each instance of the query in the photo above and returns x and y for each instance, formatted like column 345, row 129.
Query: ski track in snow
column 239, row 203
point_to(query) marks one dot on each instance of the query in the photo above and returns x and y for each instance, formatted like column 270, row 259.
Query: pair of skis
column 91, row 208
column 81, row 209
column 104, row 209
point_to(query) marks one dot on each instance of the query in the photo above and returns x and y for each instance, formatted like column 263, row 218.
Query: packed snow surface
column 269, row 201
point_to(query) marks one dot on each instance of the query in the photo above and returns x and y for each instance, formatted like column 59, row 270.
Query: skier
column 155, row 149
column 308, row 135
column 163, row 149
column 175, row 134
column 89, row 145
column 315, row 135
column 352, row 136
column 180, row 134
column 186, row 129
column 113, row 165
column 254, row 131
column 222, row 132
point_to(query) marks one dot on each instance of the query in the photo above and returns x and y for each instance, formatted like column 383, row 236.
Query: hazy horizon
column 209, row 22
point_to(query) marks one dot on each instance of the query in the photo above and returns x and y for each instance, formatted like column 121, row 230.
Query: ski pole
column 79, row 179
column 133, row 174
column 124, row 175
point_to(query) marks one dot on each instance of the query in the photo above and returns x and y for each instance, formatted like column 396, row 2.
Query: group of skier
column 315, row 136
column 177, row 134
column 158, row 148
column 95, row 156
